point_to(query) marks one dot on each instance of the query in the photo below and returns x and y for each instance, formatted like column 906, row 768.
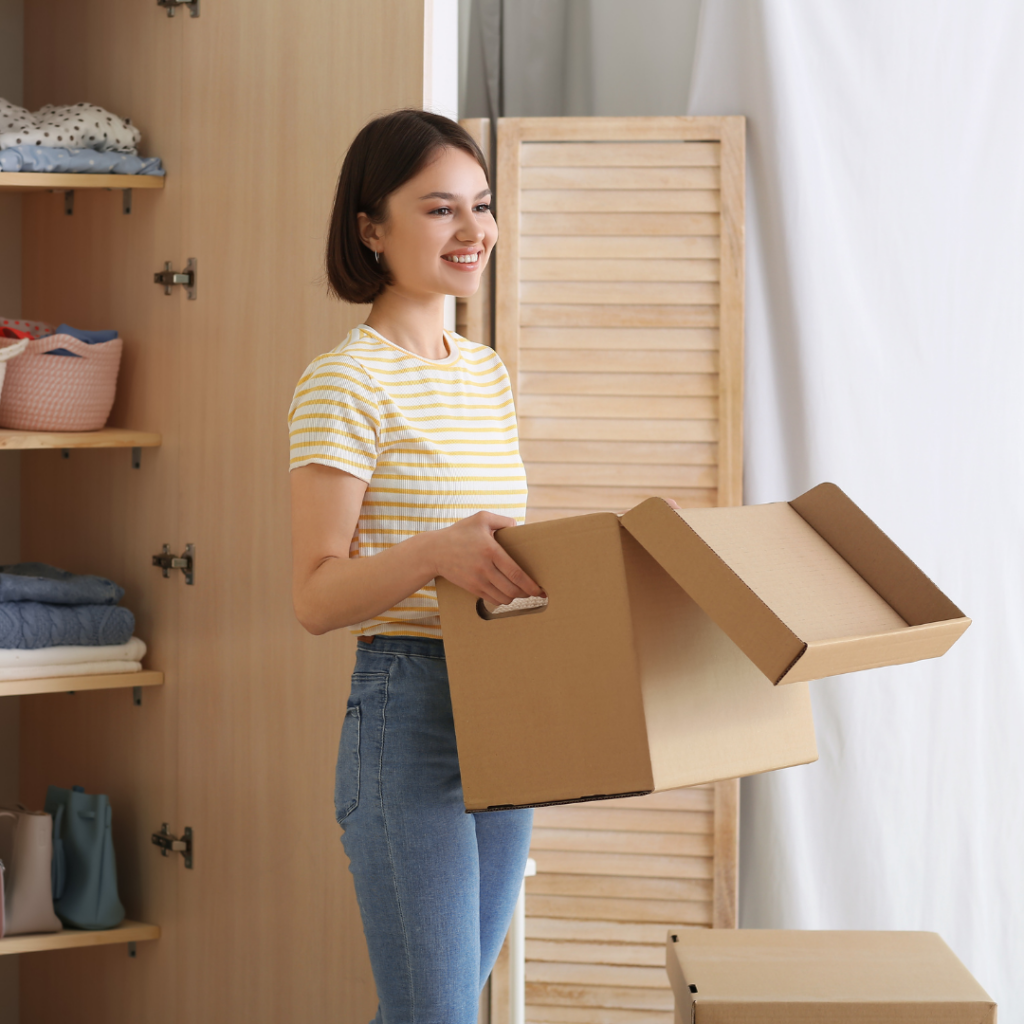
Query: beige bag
column 26, row 848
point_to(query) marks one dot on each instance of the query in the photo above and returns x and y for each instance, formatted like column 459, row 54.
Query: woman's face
column 439, row 230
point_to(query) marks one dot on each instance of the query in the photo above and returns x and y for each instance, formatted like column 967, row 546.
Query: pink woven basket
column 55, row 392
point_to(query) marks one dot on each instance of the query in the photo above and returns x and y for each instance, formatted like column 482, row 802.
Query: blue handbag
column 84, row 870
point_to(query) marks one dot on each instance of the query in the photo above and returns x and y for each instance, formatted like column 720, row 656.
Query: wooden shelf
column 71, row 938
column 109, row 437
column 33, row 181
column 66, row 684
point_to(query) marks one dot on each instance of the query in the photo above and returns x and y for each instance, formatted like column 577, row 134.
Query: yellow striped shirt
column 435, row 441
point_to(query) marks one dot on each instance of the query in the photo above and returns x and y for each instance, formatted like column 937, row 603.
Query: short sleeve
column 333, row 419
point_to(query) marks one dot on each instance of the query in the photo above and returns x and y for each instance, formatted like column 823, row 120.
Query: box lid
column 807, row 588
column 741, row 975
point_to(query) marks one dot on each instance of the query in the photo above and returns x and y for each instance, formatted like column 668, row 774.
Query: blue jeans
column 436, row 886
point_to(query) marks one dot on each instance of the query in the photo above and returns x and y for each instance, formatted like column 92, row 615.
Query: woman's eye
column 483, row 208
column 442, row 210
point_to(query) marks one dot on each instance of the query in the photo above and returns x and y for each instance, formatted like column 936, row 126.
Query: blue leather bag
column 84, row 870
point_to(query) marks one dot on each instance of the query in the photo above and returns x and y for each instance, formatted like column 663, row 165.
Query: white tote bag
column 26, row 848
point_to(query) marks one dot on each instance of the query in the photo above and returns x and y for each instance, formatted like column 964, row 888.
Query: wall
column 581, row 57
column 11, row 37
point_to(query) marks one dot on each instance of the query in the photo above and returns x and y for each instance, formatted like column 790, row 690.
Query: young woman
column 405, row 461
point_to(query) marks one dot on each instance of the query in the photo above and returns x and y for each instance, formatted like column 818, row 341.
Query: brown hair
column 383, row 156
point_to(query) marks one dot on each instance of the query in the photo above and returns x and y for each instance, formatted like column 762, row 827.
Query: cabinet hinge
column 173, row 5
column 169, row 278
column 186, row 562
column 172, row 844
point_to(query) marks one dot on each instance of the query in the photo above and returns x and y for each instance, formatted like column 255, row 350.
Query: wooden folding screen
column 619, row 297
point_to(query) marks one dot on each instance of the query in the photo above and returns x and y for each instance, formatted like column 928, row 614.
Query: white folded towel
column 134, row 650
column 88, row 668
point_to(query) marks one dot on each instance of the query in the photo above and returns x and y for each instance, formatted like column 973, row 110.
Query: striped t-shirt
column 435, row 441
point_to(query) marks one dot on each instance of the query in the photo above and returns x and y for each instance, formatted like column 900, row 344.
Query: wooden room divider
column 619, row 314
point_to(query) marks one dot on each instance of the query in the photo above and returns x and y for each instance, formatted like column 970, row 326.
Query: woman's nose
column 468, row 230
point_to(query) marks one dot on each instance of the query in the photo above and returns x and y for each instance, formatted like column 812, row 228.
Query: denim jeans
column 436, row 886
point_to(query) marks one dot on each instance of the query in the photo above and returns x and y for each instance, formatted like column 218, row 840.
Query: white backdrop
column 885, row 351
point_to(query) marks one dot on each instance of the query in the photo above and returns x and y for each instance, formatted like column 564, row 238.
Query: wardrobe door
column 269, row 927
column 93, row 512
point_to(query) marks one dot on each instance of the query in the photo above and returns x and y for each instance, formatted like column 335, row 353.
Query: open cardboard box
column 748, row 976
column 653, row 664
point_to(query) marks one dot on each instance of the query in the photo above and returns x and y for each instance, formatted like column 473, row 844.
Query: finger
column 495, row 522
column 670, row 502
column 491, row 593
column 503, row 585
column 504, row 564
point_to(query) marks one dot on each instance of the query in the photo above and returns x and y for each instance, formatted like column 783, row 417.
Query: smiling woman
column 405, row 461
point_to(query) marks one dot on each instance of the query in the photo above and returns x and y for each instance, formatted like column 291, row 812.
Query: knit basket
column 57, row 392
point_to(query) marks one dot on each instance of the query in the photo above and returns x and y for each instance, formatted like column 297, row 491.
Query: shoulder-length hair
column 383, row 156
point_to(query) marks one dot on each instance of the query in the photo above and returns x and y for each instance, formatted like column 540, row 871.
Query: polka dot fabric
column 81, row 126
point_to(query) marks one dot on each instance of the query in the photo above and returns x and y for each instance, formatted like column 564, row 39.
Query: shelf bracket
column 126, row 200
column 137, row 696
column 136, row 458
column 69, row 202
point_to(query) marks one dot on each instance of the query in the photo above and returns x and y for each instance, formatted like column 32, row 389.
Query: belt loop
column 366, row 639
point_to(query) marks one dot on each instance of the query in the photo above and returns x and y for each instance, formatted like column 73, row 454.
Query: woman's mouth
column 470, row 258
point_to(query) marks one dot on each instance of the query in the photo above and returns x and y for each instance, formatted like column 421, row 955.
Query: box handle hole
column 520, row 606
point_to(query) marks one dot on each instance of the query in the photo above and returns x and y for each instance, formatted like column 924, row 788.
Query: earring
column 376, row 255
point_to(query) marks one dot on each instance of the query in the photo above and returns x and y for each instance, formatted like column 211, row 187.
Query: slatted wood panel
column 620, row 308
column 473, row 314
column 620, row 318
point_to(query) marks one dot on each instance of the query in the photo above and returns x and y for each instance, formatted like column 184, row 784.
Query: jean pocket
column 346, row 774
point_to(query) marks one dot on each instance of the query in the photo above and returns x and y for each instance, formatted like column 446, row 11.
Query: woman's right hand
column 468, row 555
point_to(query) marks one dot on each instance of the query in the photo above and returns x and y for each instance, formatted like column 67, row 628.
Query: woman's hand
column 468, row 555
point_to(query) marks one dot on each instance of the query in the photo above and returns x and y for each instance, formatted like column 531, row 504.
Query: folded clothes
column 35, row 581
column 87, row 668
column 50, row 657
column 31, row 625
column 73, row 125
column 55, row 160
column 89, row 337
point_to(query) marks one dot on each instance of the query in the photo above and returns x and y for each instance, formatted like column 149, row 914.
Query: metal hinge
column 186, row 562
column 172, row 844
column 169, row 278
column 173, row 5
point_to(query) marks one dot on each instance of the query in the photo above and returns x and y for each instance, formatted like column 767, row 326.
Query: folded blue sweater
column 29, row 625
column 34, row 581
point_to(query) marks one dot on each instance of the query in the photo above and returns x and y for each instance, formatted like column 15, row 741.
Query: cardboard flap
column 875, row 557
column 510, row 721
column 694, row 564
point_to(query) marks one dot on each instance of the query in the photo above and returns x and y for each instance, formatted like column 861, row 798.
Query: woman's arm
column 331, row 590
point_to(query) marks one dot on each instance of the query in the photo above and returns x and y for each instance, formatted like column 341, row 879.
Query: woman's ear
column 369, row 233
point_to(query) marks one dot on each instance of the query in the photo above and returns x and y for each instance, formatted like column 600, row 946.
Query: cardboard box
column 627, row 683
column 745, row 976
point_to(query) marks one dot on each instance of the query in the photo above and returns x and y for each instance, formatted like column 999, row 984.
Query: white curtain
column 885, row 351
